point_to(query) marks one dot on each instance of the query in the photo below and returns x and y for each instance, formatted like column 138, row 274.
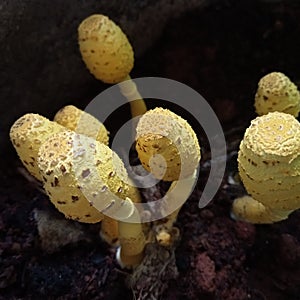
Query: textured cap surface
column 167, row 145
column 82, row 122
column 269, row 161
column 82, row 176
column 275, row 134
column 27, row 134
column 276, row 92
column 105, row 49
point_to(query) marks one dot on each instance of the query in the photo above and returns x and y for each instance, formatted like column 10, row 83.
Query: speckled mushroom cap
column 82, row 122
column 276, row 92
column 167, row 145
column 27, row 134
column 82, row 176
column 269, row 160
column 105, row 49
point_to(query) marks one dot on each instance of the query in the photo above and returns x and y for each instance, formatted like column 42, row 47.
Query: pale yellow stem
column 132, row 239
column 177, row 194
column 129, row 90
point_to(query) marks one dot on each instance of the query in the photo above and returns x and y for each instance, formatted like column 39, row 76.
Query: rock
column 56, row 232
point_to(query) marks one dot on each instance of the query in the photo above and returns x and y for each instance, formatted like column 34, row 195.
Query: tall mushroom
column 108, row 55
column 168, row 147
column 82, row 122
column 85, row 179
column 269, row 166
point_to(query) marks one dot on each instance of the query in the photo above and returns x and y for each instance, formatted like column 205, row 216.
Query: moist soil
column 220, row 51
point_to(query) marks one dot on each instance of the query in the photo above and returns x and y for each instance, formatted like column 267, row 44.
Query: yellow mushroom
column 27, row 134
column 168, row 147
column 247, row 208
column 269, row 166
column 82, row 122
column 276, row 92
column 166, row 144
column 86, row 179
column 108, row 55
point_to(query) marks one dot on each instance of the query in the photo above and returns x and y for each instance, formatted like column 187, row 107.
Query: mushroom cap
column 105, row 49
column 27, row 134
column 276, row 92
column 269, row 160
column 82, row 122
column 166, row 144
column 275, row 135
column 83, row 177
column 247, row 209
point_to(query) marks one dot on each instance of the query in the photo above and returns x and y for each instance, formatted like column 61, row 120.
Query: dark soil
column 221, row 52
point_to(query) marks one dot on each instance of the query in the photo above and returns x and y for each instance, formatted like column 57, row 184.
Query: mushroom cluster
column 276, row 92
column 269, row 166
column 83, row 177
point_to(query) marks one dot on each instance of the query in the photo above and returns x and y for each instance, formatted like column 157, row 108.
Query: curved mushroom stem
column 129, row 90
column 178, row 190
column 132, row 239
column 248, row 209
column 109, row 226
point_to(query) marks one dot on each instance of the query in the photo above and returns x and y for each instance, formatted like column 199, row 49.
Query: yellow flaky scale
column 276, row 92
column 269, row 166
column 105, row 49
column 82, row 122
column 80, row 174
column 27, row 134
column 166, row 144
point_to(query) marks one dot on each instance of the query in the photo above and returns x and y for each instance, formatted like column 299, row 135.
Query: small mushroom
column 247, row 208
column 108, row 55
column 168, row 147
column 276, row 92
column 77, row 173
column 82, row 122
column 269, row 166
column 27, row 134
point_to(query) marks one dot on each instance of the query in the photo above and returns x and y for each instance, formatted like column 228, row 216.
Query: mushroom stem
column 129, row 90
column 109, row 226
column 132, row 239
column 248, row 209
column 177, row 194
